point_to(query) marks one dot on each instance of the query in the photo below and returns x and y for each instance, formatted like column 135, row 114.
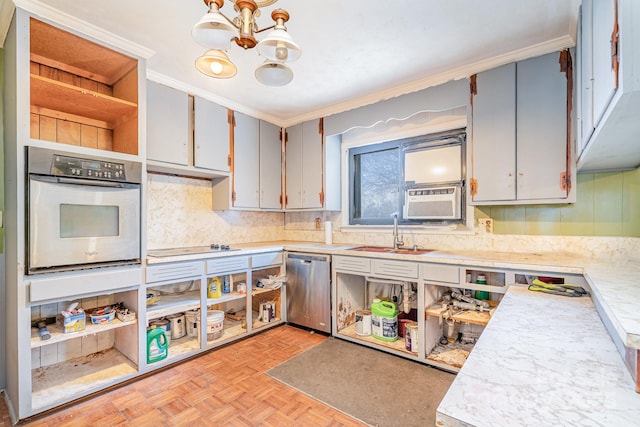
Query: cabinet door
column 494, row 135
column 210, row 135
column 246, row 162
column 604, row 75
column 586, row 73
column 270, row 166
column 312, row 165
column 541, row 128
column 167, row 124
column 293, row 169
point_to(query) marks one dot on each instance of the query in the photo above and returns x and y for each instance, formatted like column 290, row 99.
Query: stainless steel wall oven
column 81, row 212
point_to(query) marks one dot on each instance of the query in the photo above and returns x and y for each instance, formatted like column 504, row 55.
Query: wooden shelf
column 258, row 291
column 171, row 304
column 77, row 377
column 231, row 329
column 486, row 288
column 55, row 95
column 464, row 316
column 232, row 296
column 398, row 345
column 57, row 332
column 182, row 346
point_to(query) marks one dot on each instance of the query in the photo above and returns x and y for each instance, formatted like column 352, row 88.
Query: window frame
column 404, row 145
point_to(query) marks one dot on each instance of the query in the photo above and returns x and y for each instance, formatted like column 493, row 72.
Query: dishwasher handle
column 307, row 259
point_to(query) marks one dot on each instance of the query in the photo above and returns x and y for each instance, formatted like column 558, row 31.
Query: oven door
column 76, row 223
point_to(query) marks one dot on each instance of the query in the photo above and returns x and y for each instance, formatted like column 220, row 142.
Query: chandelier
column 216, row 32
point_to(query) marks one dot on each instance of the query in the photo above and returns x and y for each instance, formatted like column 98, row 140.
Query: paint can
column 192, row 319
column 177, row 326
column 363, row 323
column 215, row 324
column 411, row 337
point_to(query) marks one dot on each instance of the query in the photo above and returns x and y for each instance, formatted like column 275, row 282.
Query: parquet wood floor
column 227, row 387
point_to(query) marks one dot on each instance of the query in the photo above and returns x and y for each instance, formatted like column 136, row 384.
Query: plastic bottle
column 157, row 345
column 226, row 285
column 214, row 288
column 384, row 320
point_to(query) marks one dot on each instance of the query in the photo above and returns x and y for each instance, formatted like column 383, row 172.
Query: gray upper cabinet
column 210, row 135
column 186, row 134
column 541, row 129
column 518, row 150
column 293, row 167
column 304, row 166
column 270, row 166
column 494, row 135
column 608, row 85
column 256, row 179
column 246, row 162
column 312, row 167
column 167, row 124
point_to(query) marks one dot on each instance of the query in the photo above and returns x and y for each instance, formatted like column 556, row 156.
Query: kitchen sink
column 383, row 249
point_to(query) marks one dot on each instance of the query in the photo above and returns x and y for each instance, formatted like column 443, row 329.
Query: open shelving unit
column 74, row 377
column 69, row 364
column 167, row 305
column 57, row 332
column 81, row 93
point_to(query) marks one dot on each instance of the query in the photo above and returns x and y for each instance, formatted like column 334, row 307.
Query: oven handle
column 80, row 181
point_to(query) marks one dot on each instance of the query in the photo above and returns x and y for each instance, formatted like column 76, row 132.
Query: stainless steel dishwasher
column 309, row 290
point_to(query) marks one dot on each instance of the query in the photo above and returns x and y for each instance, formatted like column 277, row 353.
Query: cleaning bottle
column 157, row 345
column 384, row 320
column 214, row 288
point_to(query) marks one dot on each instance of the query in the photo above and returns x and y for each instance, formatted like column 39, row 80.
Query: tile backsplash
column 180, row 214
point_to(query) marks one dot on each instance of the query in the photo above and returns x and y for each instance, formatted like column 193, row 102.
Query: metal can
column 363, row 323
column 411, row 337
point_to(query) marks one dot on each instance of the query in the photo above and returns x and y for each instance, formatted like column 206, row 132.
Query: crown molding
column 227, row 103
column 42, row 10
column 462, row 72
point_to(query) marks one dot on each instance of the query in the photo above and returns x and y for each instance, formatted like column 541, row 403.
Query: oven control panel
column 84, row 168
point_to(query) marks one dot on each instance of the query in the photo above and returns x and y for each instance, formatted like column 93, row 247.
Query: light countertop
column 615, row 284
column 542, row 360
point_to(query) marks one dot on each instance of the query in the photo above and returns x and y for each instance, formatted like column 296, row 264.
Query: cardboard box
column 75, row 321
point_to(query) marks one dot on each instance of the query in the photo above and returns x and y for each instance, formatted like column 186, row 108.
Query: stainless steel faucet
column 398, row 242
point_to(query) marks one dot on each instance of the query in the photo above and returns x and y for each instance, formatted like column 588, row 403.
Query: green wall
column 607, row 204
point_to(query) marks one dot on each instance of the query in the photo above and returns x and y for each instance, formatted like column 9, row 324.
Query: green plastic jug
column 384, row 320
column 157, row 345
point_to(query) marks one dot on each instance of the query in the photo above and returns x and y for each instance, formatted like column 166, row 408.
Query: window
column 380, row 175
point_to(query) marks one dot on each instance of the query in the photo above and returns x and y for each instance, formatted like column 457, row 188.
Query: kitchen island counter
column 542, row 360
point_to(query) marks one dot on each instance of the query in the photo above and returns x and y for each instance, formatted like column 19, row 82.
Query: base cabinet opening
column 82, row 351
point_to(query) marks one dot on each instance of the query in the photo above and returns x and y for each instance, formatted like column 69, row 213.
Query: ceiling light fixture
column 216, row 32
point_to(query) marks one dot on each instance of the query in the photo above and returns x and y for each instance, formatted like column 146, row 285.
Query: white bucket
column 192, row 319
column 215, row 322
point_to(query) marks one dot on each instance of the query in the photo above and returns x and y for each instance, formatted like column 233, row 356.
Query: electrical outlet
column 486, row 224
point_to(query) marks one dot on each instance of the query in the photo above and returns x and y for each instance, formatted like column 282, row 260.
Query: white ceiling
column 354, row 52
